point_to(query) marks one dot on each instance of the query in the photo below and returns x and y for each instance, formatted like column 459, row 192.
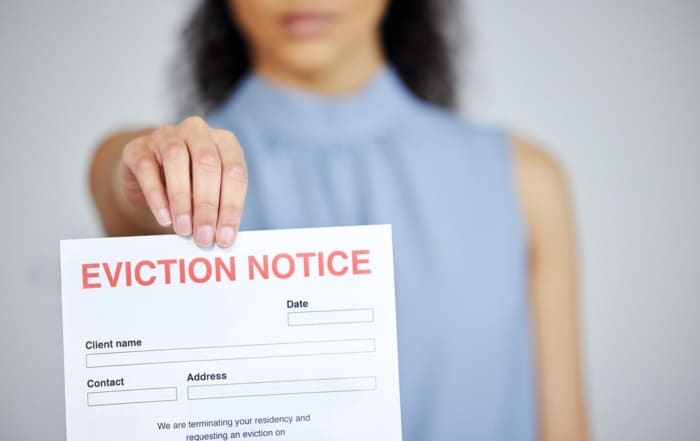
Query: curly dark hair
column 416, row 36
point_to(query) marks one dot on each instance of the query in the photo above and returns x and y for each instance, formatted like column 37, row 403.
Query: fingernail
column 164, row 217
column 225, row 236
column 183, row 225
column 204, row 235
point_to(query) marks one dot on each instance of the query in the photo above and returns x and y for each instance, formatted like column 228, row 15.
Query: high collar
column 297, row 112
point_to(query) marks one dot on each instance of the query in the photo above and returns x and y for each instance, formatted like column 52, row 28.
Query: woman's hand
column 190, row 176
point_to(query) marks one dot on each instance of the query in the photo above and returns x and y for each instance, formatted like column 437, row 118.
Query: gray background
column 611, row 87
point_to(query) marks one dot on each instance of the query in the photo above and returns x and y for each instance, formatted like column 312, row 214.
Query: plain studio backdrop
column 611, row 87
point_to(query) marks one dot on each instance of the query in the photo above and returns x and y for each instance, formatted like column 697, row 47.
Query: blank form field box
column 330, row 317
column 132, row 396
column 238, row 352
column 284, row 387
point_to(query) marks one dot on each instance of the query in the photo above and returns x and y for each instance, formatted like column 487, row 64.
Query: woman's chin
column 310, row 60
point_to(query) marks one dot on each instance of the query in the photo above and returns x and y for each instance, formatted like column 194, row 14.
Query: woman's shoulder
column 525, row 153
column 542, row 189
column 533, row 160
column 538, row 177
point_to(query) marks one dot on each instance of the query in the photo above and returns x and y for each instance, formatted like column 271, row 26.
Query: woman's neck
column 348, row 75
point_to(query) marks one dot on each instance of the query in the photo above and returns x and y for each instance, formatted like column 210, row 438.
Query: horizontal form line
column 237, row 352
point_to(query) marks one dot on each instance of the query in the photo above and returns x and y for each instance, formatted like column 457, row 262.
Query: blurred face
column 307, row 37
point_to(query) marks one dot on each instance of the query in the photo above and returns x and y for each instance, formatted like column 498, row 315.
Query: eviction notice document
column 289, row 335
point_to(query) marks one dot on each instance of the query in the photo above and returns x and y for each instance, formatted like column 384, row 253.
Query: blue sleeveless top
column 381, row 156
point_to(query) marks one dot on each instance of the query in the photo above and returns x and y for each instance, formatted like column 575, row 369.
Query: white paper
column 167, row 341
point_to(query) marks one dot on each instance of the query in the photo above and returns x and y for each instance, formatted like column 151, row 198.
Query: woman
column 340, row 108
